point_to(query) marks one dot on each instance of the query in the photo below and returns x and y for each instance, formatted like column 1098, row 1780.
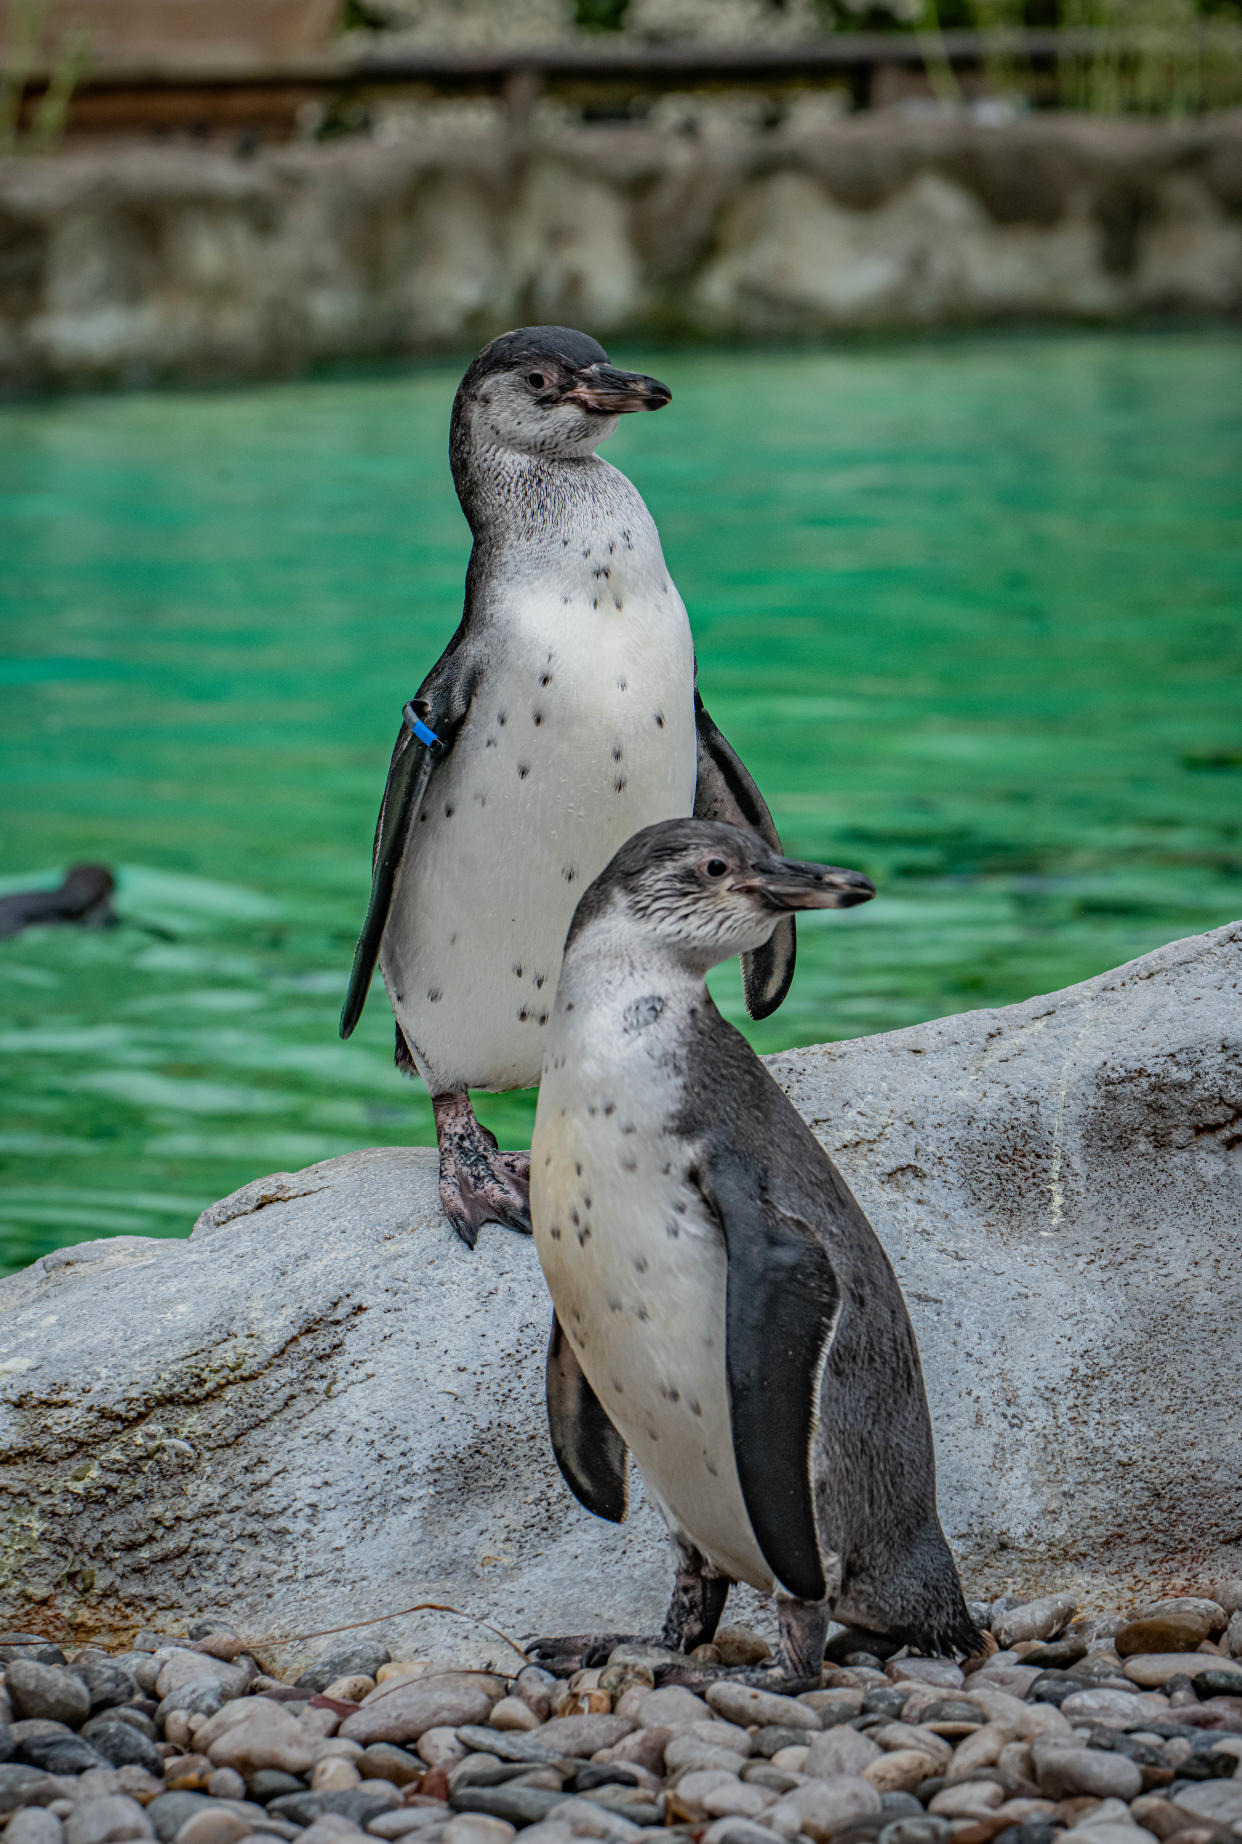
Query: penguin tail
column 916, row 1599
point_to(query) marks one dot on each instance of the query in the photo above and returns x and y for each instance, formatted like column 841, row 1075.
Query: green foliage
column 67, row 67
column 601, row 15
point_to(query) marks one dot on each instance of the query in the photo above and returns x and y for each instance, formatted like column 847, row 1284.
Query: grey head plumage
column 542, row 392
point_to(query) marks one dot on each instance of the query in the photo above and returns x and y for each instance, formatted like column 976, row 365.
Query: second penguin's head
column 546, row 391
column 702, row 891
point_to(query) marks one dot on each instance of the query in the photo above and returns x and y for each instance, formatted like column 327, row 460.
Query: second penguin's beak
column 602, row 390
column 787, row 883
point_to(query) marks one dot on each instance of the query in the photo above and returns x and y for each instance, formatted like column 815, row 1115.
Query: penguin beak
column 787, row 883
column 602, row 390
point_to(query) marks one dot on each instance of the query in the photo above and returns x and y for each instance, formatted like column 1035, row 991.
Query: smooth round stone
column 107, row 1820
column 1151, row 1669
column 1217, row 1682
column 1056, row 1654
column 1171, row 1632
column 1074, row 1773
column 963, row 1799
column 349, row 1689
column 123, row 1745
column 1029, row 1833
column 169, row 1812
column 839, row 1751
column 1218, row 1800
column 268, row 1783
column 512, row 1713
column 938, row 1671
column 744, row 1705
column 825, row 1807
column 912, row 1829
column 884, row 1702
column 1040, row 1619
column 62, row 1754
column 771, row 1740
column 673, row 1708
column 403, row 1709
column 900, row 1771
column 738, row 1645
column 49, row 1691
column 353, row 1658
column 200, row 1697
column 182, row 1667
column 34, row 1825
column 385, row 1761
column 217, row 1826
column 952, row 1716
column 107, row 1683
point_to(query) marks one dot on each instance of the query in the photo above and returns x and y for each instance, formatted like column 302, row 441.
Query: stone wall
column 153, row 263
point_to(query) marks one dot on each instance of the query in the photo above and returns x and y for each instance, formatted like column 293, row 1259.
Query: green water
column 970, row 610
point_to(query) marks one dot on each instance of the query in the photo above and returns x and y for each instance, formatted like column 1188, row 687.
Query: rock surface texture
column 119, row 267
column 322, row 1407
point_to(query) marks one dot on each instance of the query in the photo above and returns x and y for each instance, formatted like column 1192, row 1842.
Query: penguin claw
column 576, row 1651
column 777, row 1677
column 478, row 1183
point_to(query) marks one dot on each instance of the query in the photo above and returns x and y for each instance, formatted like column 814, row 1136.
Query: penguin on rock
column 722, row 1308
column 562, row 717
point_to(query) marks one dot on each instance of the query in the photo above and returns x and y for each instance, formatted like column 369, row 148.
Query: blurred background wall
column 204, row 188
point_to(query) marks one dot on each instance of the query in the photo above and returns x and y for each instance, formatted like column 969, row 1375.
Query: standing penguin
column 722, row 1306
column 562, row 716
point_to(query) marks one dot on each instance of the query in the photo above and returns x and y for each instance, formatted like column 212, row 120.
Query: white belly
column 637, row 1271
column 582, row 733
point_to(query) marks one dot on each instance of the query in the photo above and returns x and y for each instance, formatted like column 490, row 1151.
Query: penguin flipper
column 441, row 703
column 726, row 791
column 781, row 1301
column 589, row 1451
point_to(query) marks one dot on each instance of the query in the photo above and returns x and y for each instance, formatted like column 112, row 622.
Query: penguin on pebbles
column 722, row 1308
column 562, row 716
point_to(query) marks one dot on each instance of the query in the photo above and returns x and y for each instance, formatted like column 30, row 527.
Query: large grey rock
column 322, row 1407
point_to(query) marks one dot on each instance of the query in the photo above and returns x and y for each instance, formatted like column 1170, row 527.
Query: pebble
column 901, row 1770
column 353, row 1658
column 1042, row 1619
column 738, row 1645
column 965, row 1798
column 580, row 1735
column 25, row 1786
column 512, row 1713
column 1067, row 1773
column 218, row 1826
column 825, row 1807
column 121, row 1744
column 34, row 1825
column 183, row 1667
column 107, row 1820
column 49, row 1691
column 1149, row 1669
column 744, row 1705
column 407, row 1819
column 404, row 1708
column 839, row 1751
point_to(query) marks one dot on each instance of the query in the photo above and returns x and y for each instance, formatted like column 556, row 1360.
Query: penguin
column 562, row 717
column 722, row 1308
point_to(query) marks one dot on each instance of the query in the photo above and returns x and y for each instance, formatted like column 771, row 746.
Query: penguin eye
column 715, row 867
column 536, row 380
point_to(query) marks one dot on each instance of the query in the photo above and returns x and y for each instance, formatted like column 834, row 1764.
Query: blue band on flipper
column 420, row 729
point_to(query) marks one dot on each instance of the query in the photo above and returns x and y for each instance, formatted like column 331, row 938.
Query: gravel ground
column 1115, row 1730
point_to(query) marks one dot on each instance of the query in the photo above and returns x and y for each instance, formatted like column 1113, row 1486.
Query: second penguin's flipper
column 429, row 725
column 781, row 1305
column 589, row 1451
column 726, row 791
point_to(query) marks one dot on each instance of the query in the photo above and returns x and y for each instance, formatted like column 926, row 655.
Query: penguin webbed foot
column 784, row 1679
column 796, row 1667
column 478, row 1183
column 579, row 1651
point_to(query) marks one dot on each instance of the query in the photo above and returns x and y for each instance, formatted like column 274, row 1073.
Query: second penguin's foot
column 576, row 1651
column 478, row 1183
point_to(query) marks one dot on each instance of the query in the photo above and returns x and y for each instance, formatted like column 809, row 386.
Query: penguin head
column 547, row 391
column 707, row 891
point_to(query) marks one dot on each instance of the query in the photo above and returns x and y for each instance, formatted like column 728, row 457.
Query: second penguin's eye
column 715, row 867
column 536, row 380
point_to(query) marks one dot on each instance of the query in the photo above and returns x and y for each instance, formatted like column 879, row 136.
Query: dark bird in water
column 83, row 897
column 723, row 1308
column 562, row 716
